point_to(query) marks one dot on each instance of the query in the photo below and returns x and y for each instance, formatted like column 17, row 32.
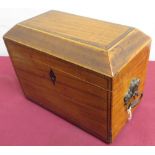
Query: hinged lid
column 96, row 45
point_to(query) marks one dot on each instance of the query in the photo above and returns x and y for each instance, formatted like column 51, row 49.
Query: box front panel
column 85, row 104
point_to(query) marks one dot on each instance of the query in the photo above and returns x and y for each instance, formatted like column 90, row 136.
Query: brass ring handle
column 131, row 94
column 132, row 105
column 136, row 101
column 132, row 90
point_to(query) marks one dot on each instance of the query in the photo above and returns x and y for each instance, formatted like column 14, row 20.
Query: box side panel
column 136, row 68
column 78, row 101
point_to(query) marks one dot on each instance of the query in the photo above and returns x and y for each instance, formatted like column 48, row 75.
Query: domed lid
column 93, row 44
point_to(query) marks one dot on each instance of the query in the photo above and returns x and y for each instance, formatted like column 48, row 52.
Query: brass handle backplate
column 130, row 97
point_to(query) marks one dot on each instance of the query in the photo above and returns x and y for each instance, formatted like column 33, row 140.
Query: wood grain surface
column 76, row 28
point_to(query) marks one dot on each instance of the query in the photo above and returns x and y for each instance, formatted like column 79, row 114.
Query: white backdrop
column 136, row 13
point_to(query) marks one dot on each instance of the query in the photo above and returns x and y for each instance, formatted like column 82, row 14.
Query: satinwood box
column 87, row 71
